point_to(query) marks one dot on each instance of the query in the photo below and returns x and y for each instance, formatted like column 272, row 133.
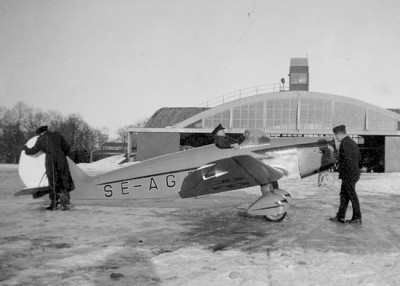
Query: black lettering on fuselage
column 123, row 188
column 153, row 184
column 108, row 191
column 170, row 180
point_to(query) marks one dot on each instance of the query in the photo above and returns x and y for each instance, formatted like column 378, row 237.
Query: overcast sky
column 117, row 62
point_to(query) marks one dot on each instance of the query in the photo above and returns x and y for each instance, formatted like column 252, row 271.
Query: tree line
column 19, row 123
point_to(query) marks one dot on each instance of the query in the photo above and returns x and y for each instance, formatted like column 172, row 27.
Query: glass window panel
column 252, row 113
column 378, row 121
column 278, row 104
column 312, row 104
column 298, row 78
column 304, row 103
column 285, row 123
column 225, row 123
column 319, row 114
column 327, row 105
column 285, row 104
column 319, row 104
column 277, row 114
column 208, row 123
column 285, row 114
column 327, row 123
column 293, row 103
column 293, row 118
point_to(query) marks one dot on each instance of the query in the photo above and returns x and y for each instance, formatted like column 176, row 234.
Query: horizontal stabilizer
column 227, row 175
column 35, row 192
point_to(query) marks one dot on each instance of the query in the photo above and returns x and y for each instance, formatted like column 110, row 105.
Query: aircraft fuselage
column 163, row 176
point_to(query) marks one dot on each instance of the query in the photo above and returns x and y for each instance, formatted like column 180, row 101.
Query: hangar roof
column 298, row 112
column 168, row 116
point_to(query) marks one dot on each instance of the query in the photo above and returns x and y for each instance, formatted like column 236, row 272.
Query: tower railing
column 242, row 93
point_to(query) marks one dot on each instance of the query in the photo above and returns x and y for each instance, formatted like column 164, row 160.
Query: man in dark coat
column 221, row 140
column 349, row 173
column 58, row 174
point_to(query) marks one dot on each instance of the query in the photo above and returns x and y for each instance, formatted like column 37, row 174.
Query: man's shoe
column 337, row 220
column 50, row 208
column 354, row 221
column 65, row 208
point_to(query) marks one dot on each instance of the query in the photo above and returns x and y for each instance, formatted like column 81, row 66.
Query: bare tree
column 96, row 139
column 123, row 132
column 34, row 119
column 21, row 122
column 123, row 135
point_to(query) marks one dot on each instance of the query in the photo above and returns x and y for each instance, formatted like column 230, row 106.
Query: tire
column 275, row 218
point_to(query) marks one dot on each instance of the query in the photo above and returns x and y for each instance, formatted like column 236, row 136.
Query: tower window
column 298, row 78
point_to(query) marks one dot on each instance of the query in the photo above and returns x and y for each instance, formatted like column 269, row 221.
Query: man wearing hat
column 349, row 173
column 221, row 140
column 58, row 174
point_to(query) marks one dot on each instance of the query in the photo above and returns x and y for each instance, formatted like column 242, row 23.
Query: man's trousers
column 348, row 193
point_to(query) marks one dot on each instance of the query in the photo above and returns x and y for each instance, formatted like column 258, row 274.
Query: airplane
column 258, row 161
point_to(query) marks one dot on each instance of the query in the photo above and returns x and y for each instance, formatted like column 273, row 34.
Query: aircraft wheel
column 275, row 218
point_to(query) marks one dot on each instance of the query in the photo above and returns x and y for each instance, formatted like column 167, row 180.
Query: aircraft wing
column 228, row 174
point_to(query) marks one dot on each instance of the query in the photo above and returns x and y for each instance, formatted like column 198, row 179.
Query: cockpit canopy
column 255, row 137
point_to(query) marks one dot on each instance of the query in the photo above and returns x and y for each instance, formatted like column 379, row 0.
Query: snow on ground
column 205, row 241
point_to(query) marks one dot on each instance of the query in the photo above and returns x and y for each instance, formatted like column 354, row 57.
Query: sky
column 117, row 62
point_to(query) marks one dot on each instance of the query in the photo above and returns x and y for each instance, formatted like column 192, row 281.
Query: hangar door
column 150, row 145
column 392, row 154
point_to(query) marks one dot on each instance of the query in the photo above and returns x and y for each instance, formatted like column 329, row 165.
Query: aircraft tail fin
column 78, row 176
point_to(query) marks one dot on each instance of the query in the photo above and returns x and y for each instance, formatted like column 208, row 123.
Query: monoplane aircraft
column 258, row 161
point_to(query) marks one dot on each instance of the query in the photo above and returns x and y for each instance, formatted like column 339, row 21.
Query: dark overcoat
column 349, row 160
column 56, row 149
column 224, row 142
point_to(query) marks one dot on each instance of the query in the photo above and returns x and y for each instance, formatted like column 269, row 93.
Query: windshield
column 254, row 137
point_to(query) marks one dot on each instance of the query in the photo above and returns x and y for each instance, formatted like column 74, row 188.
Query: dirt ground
column 205, row 241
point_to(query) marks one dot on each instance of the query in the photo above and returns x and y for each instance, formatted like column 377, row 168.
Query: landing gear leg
column 272, row 205
column 270, row 187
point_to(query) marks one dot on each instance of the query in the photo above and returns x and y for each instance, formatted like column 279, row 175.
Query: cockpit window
column 255, row 137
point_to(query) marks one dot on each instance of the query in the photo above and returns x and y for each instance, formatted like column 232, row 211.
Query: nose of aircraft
column 316, row 157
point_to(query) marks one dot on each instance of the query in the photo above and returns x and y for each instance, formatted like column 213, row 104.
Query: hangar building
column 298, row 112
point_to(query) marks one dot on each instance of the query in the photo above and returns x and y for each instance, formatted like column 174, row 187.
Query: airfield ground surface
column 206, row 241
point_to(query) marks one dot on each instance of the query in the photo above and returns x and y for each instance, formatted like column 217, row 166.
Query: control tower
column 299, row 76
